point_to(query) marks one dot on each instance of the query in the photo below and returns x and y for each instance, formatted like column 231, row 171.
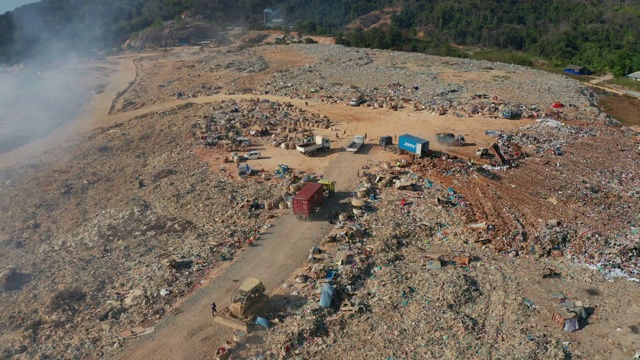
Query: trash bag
column 326, row 295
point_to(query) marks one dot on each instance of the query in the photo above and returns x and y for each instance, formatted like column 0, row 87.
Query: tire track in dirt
column 131, row 64
column 278, row 253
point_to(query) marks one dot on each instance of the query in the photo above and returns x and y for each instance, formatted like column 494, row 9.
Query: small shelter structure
column 577, row 70
column 634, row 76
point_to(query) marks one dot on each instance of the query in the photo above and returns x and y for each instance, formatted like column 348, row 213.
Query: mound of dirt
column 170, row 36
column 379, row 19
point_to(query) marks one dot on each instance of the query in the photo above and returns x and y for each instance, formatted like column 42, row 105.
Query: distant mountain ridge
column 602, row 35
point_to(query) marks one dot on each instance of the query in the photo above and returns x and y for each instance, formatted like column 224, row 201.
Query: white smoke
column 273, row 18
column 46, row 91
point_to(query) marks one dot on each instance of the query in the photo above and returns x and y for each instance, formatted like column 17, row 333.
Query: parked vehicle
column 252, row 155
column 356, row 144
column 449, row 139
column 357, row 101
column 307, row 200
column 328, row 186
column 321, row 144
column 511, row 114
column 386, row 143
column 385, row 140
column 243, row 141
column 245, row 170
column 414, row 145
column 246, row 300
column 211, row 141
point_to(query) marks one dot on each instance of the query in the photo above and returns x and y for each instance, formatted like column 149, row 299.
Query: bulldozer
column 246, row 300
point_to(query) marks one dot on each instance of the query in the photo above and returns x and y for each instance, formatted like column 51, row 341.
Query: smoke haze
column 33, row 103
column 45, row 91
column 8, row 5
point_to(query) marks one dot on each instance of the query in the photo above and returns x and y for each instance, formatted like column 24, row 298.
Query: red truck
column 307, row 200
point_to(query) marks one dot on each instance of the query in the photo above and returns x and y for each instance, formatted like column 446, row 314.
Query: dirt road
column 284, row 247
column 97, row 113
column 596, row 82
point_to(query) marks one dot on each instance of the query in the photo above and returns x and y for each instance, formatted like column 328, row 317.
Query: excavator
column 246, row 300
column 496, row 149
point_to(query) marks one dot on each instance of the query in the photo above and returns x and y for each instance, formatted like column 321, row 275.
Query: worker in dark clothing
column 213, row 309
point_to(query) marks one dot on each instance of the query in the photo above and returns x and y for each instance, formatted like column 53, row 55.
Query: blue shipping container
column 414, row 145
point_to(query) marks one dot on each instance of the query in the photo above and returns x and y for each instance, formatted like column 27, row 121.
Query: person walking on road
column 213, row 309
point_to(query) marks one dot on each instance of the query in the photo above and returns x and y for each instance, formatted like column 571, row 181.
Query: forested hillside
column 94, row 24
column 601, row 34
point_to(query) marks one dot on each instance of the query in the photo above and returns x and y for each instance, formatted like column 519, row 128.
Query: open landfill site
column 332, row 202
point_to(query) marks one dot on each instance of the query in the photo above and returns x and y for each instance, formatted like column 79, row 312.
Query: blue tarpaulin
column 326, row 295
column 262, row 322
column 331, row 274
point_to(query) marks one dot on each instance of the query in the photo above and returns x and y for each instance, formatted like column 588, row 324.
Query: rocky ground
column 106, row 235
column 419, row 299
column 105, row 265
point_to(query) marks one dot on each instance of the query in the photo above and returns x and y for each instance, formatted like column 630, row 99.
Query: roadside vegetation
column 625, row 82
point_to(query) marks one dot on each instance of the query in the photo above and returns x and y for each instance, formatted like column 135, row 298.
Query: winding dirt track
column 192, row 333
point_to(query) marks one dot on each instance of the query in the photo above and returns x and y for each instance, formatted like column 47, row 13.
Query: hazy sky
column 8, row 5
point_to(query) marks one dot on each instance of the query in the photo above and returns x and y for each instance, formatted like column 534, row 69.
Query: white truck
column 309, row 148
column 357, row 100
column 357, row 142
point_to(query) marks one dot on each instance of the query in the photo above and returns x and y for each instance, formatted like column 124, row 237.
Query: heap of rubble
column 278, row 124
column 402, row 255
column 145, row 228
column 337, row 78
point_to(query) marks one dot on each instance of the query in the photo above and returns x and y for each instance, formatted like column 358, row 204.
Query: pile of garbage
column 340, row 75
column 127, row 222
column 402, row 269
column 232, row 125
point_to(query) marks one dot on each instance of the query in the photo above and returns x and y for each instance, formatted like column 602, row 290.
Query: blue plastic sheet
column 262, row 322
column 326, row 295
column 330, row 274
